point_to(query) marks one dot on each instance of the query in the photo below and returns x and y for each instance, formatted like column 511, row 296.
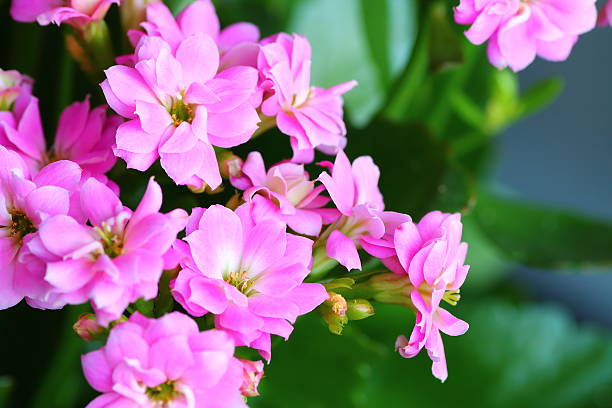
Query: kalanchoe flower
column 179, row 108
column 116, row 260
column 354, row 191
column 84, row 136
column 249, row 275
column 253, row 371
column 167, row 362
column 24, row 205
column 311, row 116
column 74, row 12
column 605, row 14
column 290, row 195
column 237, row 43
column 518, row 30
column 15, row 91
column 431, row 256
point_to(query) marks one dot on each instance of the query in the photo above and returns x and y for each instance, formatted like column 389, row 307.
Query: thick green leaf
column 417, row 174
column 544, row 237
column 362, row 40
column 541, row 95
column 524, row 356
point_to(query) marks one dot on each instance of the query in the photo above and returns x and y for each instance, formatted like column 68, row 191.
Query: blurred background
column 525, row 158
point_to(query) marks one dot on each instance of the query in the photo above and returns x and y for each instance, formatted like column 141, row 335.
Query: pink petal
column 343, row 249
column 199, row 57
column 98, row 202
column 217, row 246
column 97, row 371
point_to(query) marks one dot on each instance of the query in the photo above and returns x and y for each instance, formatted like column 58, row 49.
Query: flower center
column 180, row 111
column 162, row 394
column 242, row 282
column 111, row 242
column 20, row 225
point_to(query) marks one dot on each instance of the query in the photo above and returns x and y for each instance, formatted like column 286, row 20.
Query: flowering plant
column 164, row 210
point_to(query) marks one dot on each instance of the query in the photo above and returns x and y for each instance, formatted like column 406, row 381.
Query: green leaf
column 538, row 236
column 417, row 173
column 6, row 385
column 524, row 356
column 541, row 95
column 362, row 40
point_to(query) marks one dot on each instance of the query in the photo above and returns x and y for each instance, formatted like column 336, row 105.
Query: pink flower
column 24, row 205
column 237, row 43
column 253, row 372
column 289, row 194
column 354, row 191
column 167, row 362
column 432, row 256
column 249, row 276
column 179, row 108
column 605, row 14
column 518, row 30
column 311, row 116
column 83, row 136
column 15, row 91
column 116, row 261
column 74, row 12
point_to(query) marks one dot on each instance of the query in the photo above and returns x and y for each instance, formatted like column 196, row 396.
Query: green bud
column 358, row 309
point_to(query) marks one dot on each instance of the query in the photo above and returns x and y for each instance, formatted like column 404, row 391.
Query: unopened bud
column 334, row 311
column 359, row 309
column 230, row 165
column 134, row 12
column 388, row 288
column 253, row 371
column 87, row 328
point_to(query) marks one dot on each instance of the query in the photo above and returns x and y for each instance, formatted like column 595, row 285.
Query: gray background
column 561, row 157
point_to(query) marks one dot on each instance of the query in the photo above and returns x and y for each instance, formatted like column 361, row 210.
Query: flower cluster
column 244, row 271
column 518, row 30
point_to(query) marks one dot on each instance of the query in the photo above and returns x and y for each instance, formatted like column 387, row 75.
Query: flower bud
column 230, row 165
column 134, row 12
column 388, row 288
column 359, row 309
column 334, row 311
column 87, row 328
column 253, row 371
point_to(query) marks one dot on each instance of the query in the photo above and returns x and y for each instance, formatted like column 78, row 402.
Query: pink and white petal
column 69, row 275
column 132, row 138
column 217, row 246
column 98, row 202
column 199, row 57
column 264, row 244
column 280, row 281
column 449, row 324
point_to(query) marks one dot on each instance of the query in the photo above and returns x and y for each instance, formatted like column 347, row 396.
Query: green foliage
column 512, row 356
column 362, row 40
column 540, row 236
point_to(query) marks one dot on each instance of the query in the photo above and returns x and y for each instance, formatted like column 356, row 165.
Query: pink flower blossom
column 518, row 30
column 605, row 14
column 311, row 116
column 15, row 92
column 354, row 191
column 114, row 262
column 290, row 195
column 83, row 136
column 167, row 362
column 74, row 12
column 249, row 275
column 432, row 256
column 253, row 372
column 24, row 205
column 237, row 43
column 179, row 108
